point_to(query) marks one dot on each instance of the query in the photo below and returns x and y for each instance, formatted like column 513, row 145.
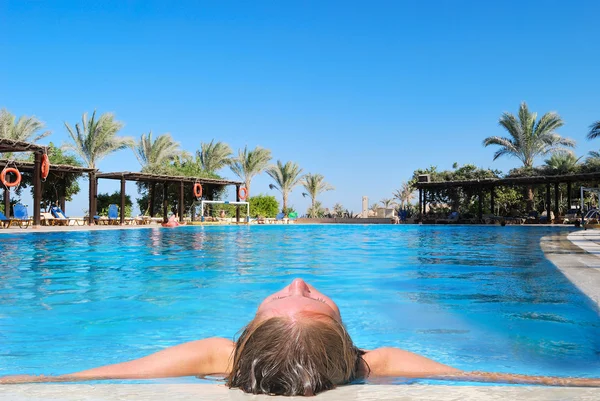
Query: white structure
column 202, row 202
column 365, row 207
column 384, row 213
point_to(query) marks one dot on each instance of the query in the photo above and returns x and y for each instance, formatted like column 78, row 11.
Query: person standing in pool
column 295, row 345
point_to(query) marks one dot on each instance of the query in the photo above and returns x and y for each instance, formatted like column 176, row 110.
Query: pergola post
column 556, row 205
column 92, row 180
column 493, row 199
column 568, row 195
column 37, row 189
column 479, row 204
column 181, row 200
column 61, row 200
column 165, row 202
column 7, row 202
column 95, row 195
column 420, row 201
column 122, row 200
column 237, row 207
column 152, row 196
column 548, row 205
column 424, row 201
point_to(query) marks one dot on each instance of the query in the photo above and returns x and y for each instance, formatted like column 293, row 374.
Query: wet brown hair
column 303, row 355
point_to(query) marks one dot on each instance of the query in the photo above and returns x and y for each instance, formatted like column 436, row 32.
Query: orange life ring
column 15, row 182
column 45, row 166
column 243, row 193
column 197, row 190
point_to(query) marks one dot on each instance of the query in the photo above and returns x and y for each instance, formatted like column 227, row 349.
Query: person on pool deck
column 295, row 345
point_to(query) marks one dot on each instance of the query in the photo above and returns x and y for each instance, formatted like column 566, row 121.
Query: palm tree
column 316, row 210
column 314, row 185
column 563, row 163
column 387, row 202
column 214, row 156
column 594, row 130
column 250, row 163
column 25, row 129
column 338, row 210
column 529, row 139
column 286, row 177
column 404, row 194
column 153, row 154
column 94, row 139
column 594, row 157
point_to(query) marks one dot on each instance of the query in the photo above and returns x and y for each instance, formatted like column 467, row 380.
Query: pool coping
column 576, row 255
column 213, row 392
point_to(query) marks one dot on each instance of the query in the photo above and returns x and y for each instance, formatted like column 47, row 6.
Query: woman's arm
column 195, row 358
column 400, row 363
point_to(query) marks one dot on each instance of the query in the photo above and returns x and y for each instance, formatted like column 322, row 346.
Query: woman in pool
column 295, row 345
column 173, row 221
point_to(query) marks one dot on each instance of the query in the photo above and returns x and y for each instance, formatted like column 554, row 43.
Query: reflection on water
column 481, row 298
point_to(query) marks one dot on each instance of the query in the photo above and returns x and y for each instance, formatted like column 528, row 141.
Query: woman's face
column 298, row 297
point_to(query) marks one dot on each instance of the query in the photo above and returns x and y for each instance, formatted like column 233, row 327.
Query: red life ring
column 45, row 166
column 197, row 190
column 243, row 193
column 7, row 183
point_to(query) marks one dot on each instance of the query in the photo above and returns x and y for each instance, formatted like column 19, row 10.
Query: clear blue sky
column 362, row 92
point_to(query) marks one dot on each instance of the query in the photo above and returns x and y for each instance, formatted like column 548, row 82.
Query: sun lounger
column 5, row 221
column 46, row 219
column 452, row 218
column 113, row 214
column 71, row 221
column 21, row 216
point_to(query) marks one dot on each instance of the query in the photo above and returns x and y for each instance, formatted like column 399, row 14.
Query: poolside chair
column 452, row 218
column 113, row 214
column 5, row 222
column 46, row 219
column 544, row 217
column 292, row 217
column 21, row 216
column 69, row 221
column 533, row 217
column 571, row 216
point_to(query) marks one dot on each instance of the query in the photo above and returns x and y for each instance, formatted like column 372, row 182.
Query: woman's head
column 296, row 345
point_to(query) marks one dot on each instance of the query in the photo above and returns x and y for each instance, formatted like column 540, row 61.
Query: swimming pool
column 478, row 298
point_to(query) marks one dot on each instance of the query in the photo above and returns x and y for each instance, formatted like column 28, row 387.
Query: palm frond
column 594, row 130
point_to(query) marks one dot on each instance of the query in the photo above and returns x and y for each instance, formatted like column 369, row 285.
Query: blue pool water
column 478, row 298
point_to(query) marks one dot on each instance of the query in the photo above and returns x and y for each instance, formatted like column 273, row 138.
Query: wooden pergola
column 165, row 180
column 55, row 169
column 10, row 146
column 489, row 184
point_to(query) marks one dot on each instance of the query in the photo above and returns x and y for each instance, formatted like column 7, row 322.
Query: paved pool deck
column 576, row 255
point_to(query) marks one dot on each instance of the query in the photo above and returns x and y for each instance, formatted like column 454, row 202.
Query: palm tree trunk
column 285, row 196
column 313, row 200
column 529, row 197
column 247, row 189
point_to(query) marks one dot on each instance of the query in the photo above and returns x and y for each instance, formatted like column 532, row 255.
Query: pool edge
column 151, row 392
column 577, row 256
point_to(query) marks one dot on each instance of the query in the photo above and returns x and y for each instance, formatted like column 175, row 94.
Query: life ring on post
column 243, row 193
column 45, row 168
column 197, row 190
column 7, row 183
